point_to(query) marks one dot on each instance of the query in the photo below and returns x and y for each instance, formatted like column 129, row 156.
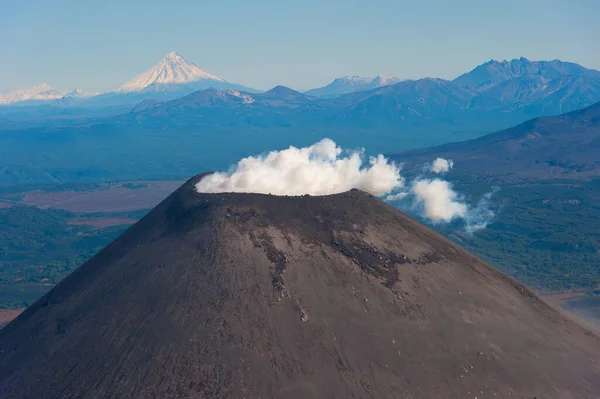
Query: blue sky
column 98, row 45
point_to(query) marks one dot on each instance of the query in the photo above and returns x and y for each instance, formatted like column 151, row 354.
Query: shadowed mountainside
column 251, row 295
column 553, row 147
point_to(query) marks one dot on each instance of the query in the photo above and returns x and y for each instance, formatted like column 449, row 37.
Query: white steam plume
column 440, row 203
column 322, row 169
column 440, row 165
column 481, row 215
column 319, row 169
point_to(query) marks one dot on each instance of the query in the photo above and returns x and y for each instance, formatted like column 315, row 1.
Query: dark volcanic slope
column 247, row 296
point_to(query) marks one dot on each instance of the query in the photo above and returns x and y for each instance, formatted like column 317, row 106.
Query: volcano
column 257, row 296
column 175, row 74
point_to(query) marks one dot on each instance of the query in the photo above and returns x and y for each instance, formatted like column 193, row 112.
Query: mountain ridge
column 552, row 147
column 41, row 93
column 529, row 86
column 350, row 84
column 518, row 95
column 493, row 72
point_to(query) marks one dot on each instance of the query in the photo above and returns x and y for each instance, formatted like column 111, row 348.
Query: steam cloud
column 440, row 203
column 439, row 200
column 324, row 168
column 441, row 165
column 316, row 170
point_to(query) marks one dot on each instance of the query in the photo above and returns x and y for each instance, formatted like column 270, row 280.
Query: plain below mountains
column 257, row 296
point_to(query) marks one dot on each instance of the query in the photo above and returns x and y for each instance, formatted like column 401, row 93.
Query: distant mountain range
column 351, row 84
column 280, row 106
column 493, row 96
column 41, row 93
column 170, row 78
column 531, row 87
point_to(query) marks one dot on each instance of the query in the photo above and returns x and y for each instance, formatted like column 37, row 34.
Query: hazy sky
column 98, row 45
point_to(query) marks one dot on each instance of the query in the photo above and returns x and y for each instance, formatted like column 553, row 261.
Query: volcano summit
column 238, row 295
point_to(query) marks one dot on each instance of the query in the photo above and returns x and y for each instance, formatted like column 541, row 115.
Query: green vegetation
column 545, row 234
column 39, row 247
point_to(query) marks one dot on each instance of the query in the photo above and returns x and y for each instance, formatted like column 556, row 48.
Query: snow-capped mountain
column 350, row 84
column 43, row 92
column 172, row 77
column 174, row 74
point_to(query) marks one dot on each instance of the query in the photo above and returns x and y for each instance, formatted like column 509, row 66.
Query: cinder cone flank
column 258, row 296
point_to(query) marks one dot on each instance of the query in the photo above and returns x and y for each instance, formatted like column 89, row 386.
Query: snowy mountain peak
column 42, row 92
column 176, row 57
column 171, row 70
column 39, row 93
column 43, row 87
